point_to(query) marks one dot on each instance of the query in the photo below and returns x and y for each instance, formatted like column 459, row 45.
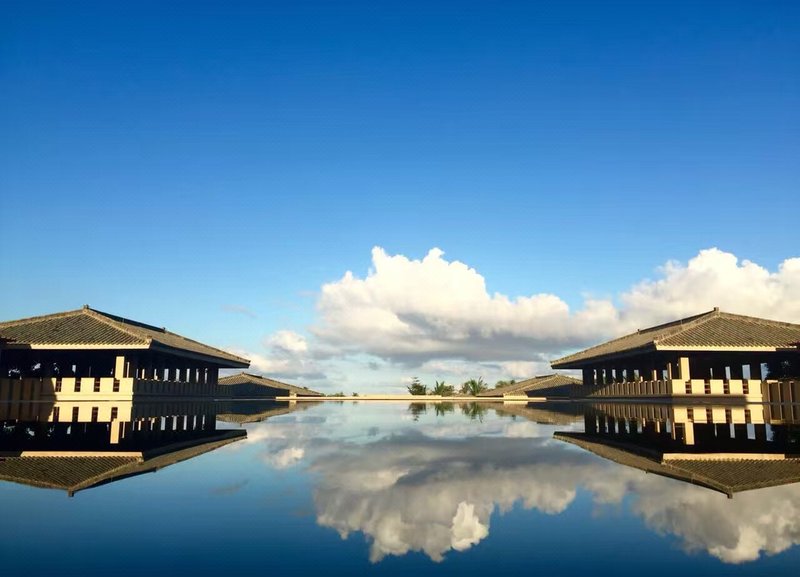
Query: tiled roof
column 726, row 475
column 96, row 329
column 531, row 385
column 713, row 330
column 258, row 380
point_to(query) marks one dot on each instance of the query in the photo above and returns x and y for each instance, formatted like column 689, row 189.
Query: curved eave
column 75, row 347
column 569, row 363
column 231, row 361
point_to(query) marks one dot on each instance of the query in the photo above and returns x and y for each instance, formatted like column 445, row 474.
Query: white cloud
column 435, row 318
column 288, row 341
column 716, row 278
column 413, row 311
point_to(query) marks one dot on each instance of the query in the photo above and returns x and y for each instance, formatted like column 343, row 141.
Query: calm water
column 386, row 488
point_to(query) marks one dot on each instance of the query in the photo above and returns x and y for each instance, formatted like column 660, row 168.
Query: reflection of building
column 87, row 355
column 246, row 385
column 78, row 445
column 728, row 449
column 714, row 354
column 243, row 412
column 550, row 386
column 543, row 413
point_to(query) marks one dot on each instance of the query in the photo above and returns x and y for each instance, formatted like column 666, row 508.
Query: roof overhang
column 565, row 363
column 238, row 362
column 70, row 347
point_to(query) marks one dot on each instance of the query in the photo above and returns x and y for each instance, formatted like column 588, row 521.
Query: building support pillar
column 683, row 369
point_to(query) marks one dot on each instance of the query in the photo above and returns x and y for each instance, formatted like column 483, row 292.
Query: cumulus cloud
column 414, row 311
column 716, row 278
column 288, row 341
column 434, row 317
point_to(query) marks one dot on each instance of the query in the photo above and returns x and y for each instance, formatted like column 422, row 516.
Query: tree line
column 470, row 387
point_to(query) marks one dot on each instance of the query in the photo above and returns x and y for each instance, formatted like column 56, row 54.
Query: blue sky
column 177, row 162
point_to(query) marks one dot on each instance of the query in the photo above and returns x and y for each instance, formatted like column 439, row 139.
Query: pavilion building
column 714, row 354
column 86, row 354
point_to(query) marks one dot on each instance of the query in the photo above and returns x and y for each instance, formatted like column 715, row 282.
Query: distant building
column 714, row 354
column 86, row 354
column 550, row 386
column 246, row 385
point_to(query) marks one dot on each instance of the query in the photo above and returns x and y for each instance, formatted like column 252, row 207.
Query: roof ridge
column 113, row 322
column 758, row 320
column 688, row 323
column 39, row 318
column 690, row 320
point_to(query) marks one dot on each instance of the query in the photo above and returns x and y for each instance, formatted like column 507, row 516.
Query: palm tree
column 417, row 388
column 473, row 387
column 443, row 389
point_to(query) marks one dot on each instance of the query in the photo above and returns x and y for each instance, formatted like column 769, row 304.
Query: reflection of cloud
column 287, row 457
column 230, row 489
column 467, row 529
column 436, row 490
column 432, row 495
column 766, row 520
column 412, row 493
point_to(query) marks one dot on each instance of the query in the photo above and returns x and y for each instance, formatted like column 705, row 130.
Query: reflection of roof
column 531, row 385
column 254, row 411
column 259, row 381
column 713, row 330
column 88, row 328
column 76, row 473
column 564, row 414
column 727, row 475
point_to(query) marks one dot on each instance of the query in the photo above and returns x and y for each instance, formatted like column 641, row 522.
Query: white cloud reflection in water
column 434, row 488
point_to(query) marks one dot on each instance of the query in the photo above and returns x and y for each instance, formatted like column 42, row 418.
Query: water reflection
column 464, row 483
column 436, row 488
column 74, row 446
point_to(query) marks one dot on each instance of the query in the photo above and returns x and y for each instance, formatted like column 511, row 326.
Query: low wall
column 744, row 389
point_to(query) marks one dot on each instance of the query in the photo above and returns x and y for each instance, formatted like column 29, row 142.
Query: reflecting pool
column 207, row 488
